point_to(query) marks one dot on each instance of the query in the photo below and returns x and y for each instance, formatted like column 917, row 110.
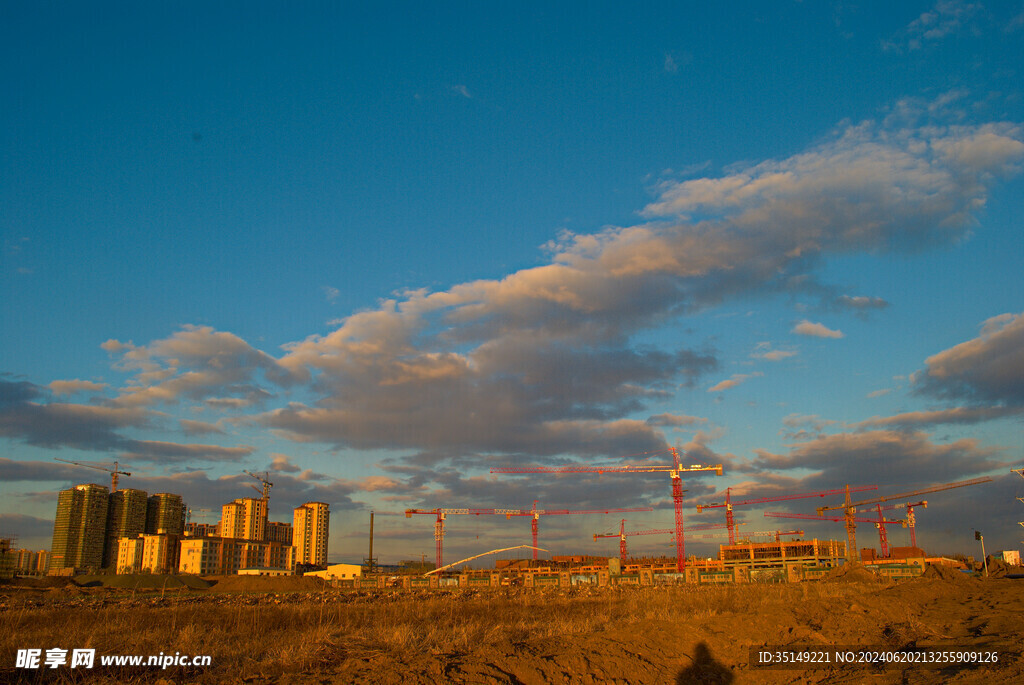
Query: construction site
column 245, row 542
column 744, row 557
column 544, row 617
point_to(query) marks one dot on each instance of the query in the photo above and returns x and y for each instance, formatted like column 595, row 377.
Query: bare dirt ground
column 581, row 635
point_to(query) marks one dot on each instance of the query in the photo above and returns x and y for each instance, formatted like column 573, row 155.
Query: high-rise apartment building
column 165, row 513
column 309, row 533
column 42, row 561
column 79, row 530
column 29, row 562
column 278, row 531
column 126, row 518
column 244, row 519
column 24, row 560
column 8, row 557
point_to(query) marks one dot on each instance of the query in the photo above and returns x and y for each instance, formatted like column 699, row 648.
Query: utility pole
column 984, row 559
column 1019, row 472
column 371, row 563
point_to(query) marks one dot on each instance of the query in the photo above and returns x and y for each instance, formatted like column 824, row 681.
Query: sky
column 378, row 251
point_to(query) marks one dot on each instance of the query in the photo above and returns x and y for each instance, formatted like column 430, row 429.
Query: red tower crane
column 850, row 508
column 674, row 470
column 534, row 513
column 621, row 535
column 659, row 531
column 441, row 514
column 729, row 504
column 879, row 522
column 911, row 518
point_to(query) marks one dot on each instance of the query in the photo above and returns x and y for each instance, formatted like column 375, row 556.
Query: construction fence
column 600, row 577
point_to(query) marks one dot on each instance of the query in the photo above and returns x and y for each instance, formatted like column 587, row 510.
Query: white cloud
column 816, row 330
column 192, row 427
column 546, row 360
column 947, row 17
column 283, row 463
column 736, row 379
column 764, row 351
column 552, row 346
column 195, row 363
column 777, row 355
column 906, row 457
column 989, row 368
column 61, row 388
column 961, row 415
column 861, row 302
column 675, row 420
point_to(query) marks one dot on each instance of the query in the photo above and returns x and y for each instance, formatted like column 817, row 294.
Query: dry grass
column 266, row 635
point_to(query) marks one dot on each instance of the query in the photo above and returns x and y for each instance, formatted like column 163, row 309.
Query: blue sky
column 379, row 251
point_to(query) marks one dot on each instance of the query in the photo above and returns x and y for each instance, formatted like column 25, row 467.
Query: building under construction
column 165, row 514
column 777, row 554
column 8, row 558
column 126, row 518
column 79, row 531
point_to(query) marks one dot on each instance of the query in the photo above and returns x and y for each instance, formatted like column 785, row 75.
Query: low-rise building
column 338, row 572
column 161, row 553
column 200, row 530
column 223, row 556
column 129, row 555
column 264, row 572
column 1011, row 557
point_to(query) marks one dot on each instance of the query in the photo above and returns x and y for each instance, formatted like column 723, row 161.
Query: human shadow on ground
column 704, row 670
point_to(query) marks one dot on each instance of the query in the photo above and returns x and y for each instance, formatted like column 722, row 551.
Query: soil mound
column 265, row 583
column 143, row 581
column 851, row 573
column 45, row 582
column 997, row 568
column 943, row 572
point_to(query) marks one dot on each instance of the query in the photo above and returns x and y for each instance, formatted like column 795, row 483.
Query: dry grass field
column 304, row 634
